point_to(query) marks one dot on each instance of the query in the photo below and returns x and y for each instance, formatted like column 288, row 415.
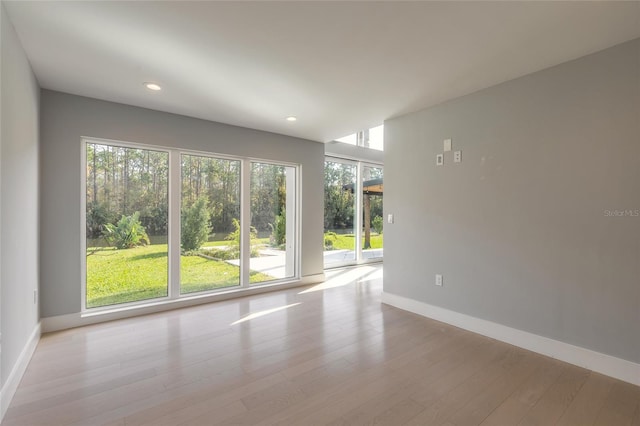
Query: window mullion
column 175, row 183
column 245, row 222
column 358, row 214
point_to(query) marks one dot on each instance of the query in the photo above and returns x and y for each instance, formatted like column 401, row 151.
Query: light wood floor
column 318, row 355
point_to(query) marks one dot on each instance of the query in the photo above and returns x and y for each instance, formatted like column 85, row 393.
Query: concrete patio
column 272, row 262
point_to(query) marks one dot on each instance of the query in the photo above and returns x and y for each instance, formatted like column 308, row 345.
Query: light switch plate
column 439, row 159
column 457, row 157
column 390, row 218
column 439, row 280
column 447, row 145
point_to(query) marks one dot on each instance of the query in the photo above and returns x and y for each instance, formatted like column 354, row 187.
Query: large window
column 353, row 218
column 209, row 223
column 164, row 223
column 126, row 224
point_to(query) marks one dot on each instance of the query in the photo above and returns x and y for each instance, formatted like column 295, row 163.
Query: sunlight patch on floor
column 343, row 277
column 375, row 275
column 263, row 313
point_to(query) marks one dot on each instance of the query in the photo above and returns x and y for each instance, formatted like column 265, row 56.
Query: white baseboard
column 78, row 319
column 11, row 385
column 602, row 363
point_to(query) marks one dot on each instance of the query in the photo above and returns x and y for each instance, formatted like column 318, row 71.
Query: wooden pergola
column 369, row 187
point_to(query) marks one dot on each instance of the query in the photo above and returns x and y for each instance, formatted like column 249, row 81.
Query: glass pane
column 372, row 220
column 351, row 139
column 209, row 224
column 126, row 224
column 339, row 213
column 376, row 138
column 272, row 222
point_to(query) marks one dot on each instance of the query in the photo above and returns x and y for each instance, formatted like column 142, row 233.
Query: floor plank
column 514, row 408
column 558, row 397
column 587, row 404
column 620, row 406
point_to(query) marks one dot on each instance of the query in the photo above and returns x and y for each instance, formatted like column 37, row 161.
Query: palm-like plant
column 127, row 233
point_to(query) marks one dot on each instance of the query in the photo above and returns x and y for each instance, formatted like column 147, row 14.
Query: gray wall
column 66, row 118
column 519, row 228
column 19, row 199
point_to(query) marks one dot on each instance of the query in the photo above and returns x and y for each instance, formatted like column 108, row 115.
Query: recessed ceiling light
column 153, row 86
column 291, row 118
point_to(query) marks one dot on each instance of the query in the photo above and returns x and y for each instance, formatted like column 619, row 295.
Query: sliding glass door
column 352, row 212
column 273, row 209
column 339, row 213
column 372, row 221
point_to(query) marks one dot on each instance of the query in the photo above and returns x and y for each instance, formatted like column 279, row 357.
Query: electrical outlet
column 439, row 280
column 457, row 157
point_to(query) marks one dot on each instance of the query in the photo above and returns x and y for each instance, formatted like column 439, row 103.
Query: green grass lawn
column 119, row 276
column 348, row 241
column 222, row 243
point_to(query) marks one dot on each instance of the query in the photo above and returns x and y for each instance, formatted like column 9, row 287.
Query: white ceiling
column 337, row 66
